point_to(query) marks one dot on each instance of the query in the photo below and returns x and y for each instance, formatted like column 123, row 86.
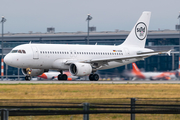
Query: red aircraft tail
column 137, row 72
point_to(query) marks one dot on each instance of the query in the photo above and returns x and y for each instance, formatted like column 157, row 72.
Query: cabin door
column 35, row 52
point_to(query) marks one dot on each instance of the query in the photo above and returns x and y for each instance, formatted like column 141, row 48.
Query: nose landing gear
column 28, row 76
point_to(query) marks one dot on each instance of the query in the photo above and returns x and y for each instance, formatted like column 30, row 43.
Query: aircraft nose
column 8, row 59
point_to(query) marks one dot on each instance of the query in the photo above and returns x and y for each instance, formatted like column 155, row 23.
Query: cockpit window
column 14, row 51
column 19, row 51
column 23, row 51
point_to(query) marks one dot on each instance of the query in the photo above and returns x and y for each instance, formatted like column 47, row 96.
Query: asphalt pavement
column 90, row 82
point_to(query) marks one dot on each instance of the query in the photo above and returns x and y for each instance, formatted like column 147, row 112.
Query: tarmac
column 90, row 82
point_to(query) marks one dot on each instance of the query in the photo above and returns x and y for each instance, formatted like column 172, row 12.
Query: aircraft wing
column 141, row 55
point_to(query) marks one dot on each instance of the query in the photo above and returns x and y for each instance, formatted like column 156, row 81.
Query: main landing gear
column 62, row 76
column 93, row 77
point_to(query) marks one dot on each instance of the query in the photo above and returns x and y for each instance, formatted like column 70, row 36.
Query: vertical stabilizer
column 138, row 34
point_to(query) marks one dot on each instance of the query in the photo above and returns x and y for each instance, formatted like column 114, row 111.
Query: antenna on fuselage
column 30, row 42
column 96, row 44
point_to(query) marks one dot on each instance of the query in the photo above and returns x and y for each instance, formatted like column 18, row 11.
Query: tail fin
column 137, row 72
column 138, row 34
column 135, row 68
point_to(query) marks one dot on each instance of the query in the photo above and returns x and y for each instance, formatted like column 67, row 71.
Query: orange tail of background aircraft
column 137, row 72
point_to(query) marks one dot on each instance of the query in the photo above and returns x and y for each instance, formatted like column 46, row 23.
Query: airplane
column 152, row 75
column 54, row 75
column 82, row 60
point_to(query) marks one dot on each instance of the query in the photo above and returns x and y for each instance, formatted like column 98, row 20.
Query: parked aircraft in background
column 136, row 73
column 54, row 75
column 82, row 60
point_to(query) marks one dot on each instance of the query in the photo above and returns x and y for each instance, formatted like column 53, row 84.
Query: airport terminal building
column 156, row 40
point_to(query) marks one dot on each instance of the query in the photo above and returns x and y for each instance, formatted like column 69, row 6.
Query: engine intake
column 80, row 69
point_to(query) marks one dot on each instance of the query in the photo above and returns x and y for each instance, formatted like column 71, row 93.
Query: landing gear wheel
column 28, row 78
column 96, row 77
column 59, row 76
column 93, row 77
column 62, row 77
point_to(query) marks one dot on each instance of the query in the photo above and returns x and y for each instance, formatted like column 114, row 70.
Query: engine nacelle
column 80, row 69
column 35, row 72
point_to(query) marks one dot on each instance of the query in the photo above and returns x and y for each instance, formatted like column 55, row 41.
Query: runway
column 90, row 82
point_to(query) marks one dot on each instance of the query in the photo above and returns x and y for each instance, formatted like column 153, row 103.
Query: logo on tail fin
column 141, row 31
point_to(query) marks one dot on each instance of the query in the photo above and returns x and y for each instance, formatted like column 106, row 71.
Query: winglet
column 169, row 52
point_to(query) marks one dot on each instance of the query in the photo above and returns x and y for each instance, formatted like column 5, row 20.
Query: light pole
column 2, row 62
column 88, row 19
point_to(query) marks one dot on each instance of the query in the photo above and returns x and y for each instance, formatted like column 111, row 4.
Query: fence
column 88, row 106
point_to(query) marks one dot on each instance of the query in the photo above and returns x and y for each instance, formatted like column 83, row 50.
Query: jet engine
column 80, row 69
column 34, row 72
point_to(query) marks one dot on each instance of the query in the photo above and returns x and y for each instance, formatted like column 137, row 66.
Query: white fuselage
column 53, row 56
